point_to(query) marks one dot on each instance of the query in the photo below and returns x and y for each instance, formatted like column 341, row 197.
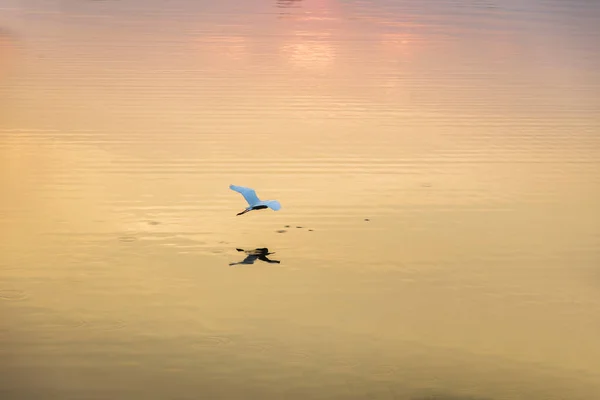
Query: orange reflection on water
column 223, row 48
column 312, row 50
column 8, row 52
column 404, row 44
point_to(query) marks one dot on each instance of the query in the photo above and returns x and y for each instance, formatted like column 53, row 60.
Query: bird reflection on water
column 252, row 255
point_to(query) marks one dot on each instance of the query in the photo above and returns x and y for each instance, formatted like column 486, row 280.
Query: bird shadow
column 260, row 253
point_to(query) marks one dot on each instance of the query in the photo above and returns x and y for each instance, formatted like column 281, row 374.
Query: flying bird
column 254, row 203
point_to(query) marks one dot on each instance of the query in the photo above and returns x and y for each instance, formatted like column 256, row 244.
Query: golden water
column 438, row 164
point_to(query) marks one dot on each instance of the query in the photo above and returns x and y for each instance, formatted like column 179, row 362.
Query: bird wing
column 249, row 194
column 273, row 204
column 265, row 259
column 250, row 259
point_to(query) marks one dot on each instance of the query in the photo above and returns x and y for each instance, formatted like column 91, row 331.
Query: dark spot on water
column 367, row 219
column 310, row 230
column 153, row 223
column 287, row 226
column 281, row 231
column 447, row 397
column 298, row 227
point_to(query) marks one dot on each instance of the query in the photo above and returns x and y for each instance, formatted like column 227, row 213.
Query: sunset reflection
column 399, row 44
column 310, row 50
column 8, row 52
column 312, row 37
column 223, row 48
column 437, row 166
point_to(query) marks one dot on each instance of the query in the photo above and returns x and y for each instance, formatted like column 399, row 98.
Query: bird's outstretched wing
column 249, row 194
column 248, row 260
column 265, row 259
column 273, row 204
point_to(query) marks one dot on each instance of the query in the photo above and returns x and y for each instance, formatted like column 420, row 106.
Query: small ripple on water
column 13, row 295
column 212, row 341
column 113, row 325
column 127, row 238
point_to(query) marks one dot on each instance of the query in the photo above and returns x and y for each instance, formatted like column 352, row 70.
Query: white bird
column 254, row 203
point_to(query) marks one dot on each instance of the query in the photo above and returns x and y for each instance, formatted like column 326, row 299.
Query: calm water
column 438, row 163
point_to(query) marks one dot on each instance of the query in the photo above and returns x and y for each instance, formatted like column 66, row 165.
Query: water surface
column 437, row 163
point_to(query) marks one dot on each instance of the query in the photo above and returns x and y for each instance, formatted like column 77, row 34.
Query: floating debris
column 367, row 219
column 281, row 231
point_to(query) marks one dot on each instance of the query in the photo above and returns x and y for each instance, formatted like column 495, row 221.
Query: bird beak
column 243, row 212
